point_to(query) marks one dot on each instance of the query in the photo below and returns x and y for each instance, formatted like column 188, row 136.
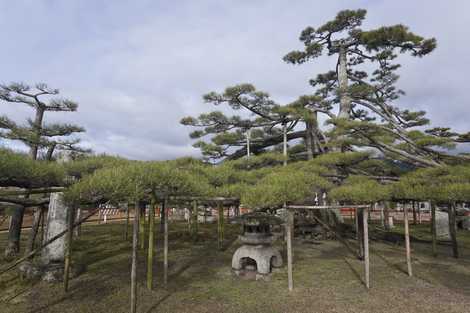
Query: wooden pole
column 221, row 226
column 141, row 211
column 68, row 247
column 284, row 142
column 289, row 226
column 165, row 246
column 433, row 229
column 151, row 244
column 453, row 230
column 195, row 222
column 419, row 212
column 359, row 234
column 366, row 247
column 126, row 231
column 407, row 241
column 135, row 242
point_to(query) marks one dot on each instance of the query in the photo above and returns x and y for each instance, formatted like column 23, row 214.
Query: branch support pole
column 433, row 229
column 68, row 246
column 407, row 241
column 366, row 247
column 289, row 228
column 165, row 246
column 151, row 245
column 135, row 242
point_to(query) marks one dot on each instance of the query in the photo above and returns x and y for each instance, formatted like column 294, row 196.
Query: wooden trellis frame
column 363, row 242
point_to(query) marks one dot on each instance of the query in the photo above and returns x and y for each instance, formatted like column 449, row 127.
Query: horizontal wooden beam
column 323, row 207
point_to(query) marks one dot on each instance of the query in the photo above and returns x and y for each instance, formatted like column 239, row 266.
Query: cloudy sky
column 137, row 67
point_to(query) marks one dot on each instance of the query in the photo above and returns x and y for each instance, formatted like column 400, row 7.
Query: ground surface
column 326, row 278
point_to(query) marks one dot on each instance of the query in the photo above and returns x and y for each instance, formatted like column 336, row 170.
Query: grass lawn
column 326, row 278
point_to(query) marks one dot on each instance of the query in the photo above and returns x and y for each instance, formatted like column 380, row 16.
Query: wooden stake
column 433, row 229
column 135, row 242
column 220, row 233
column 68, row 247
column 289, row 226
column 195, row 220
column 165, row 247
column 141, row 212
column 453, row 230
column 366, row 247
column 151, row 244
column 359, row 234
column 407, row 241
column 126, row 231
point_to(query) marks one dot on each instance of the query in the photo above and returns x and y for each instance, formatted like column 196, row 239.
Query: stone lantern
column 257, row 254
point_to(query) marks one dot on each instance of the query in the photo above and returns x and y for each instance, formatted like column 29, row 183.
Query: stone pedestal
column 264, row 256
column 53, row 254
column 442, row 225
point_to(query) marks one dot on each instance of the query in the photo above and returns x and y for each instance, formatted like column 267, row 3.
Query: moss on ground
column 326, row 278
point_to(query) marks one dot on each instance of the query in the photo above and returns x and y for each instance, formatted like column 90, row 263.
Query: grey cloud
column 137, row 68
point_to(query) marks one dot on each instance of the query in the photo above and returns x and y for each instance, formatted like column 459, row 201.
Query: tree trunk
column 135, row 239
column 13, row 246
column 50, row 152
column 37, row 127
column 151, row 244
column 309, row 140
column 345, row 99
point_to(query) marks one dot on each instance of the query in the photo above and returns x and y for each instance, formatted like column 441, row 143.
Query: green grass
column 326, row 278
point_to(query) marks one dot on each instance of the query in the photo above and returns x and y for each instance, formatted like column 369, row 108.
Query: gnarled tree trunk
column 13, row 245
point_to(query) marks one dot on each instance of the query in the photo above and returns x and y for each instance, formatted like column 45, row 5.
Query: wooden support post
column 433, row 229
column 289, row 227
column 453, row 230
column 141, row 211
column 366, row 247
column 151, row 244
column 126, row 231
column 359, row 233
column 165, row 246
column 68, row 246
column 415, row 219
column 194, row 222
column 220, row 226
column 407, row 240
column 419, row 212
column 135, row 242
column 43, row 222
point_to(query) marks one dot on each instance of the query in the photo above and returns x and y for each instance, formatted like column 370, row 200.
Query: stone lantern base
column 261, row 256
